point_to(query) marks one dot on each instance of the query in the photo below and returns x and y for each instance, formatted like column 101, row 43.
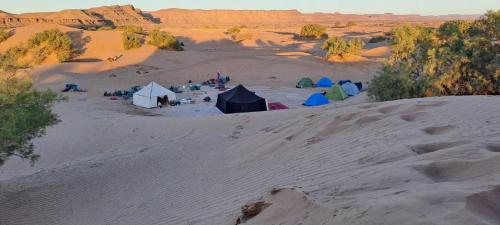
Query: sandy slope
column 405, row 162
column 420, row 161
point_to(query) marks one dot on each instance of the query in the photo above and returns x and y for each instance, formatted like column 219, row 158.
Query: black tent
column 240, row 100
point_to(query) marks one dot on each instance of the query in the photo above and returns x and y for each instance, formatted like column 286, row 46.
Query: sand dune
column 152, row 170
column 417, row 161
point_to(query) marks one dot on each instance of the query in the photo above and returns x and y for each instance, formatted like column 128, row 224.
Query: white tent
column 147, row 97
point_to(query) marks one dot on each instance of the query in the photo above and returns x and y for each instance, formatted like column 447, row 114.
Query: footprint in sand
column 389, row 109
column 412, row 117
column 437, row 146
column 437, row 130
column 493, row 147
column 485, row 205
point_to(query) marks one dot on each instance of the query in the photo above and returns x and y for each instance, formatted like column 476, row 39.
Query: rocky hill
column 100, row 16
column 122, row 15
column 183, row 16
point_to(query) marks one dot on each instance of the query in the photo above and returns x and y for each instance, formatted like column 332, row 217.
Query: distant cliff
column 123, row 15
column 183, row 16
column 106, row 15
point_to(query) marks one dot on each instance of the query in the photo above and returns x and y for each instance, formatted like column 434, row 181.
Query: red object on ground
column 222, row 89
column 277, row 106
column 114, row 98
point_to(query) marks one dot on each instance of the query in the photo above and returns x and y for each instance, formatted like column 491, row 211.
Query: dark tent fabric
column 317, row 100
column 359, row 85
column 240, row 100
column 344, row 81
column 324, row 82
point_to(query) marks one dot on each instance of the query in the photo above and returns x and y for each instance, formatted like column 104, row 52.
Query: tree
column 313, row 31
column 164, row 40
column 458, row 58
column 337, row 46
column 24, row 114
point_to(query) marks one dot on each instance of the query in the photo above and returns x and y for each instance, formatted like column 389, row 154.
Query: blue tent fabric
column 359, row 85
column 317, row 100
column 351, row 89
column 341, row 82
column 324, row 82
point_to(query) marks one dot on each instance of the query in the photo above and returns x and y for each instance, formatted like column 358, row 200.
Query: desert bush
column 51, row 42
column 164, row 40
column 337, row 24
column 458, row 58
column 350, row 24
column 233, row 32
column 4, row 35
column 131, row 40
column 131, row 29
column 313, row 31
column 337, row 46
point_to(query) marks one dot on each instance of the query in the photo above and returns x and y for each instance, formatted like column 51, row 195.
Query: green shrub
column 131, row 40
column 313, row 31
column 350, row 24
column 131, row 29
column 389, row 85
column 458, row 58
column 164, row 40
column 48, row 42
column 233, row 32
column 4, row 35
column 337, row 46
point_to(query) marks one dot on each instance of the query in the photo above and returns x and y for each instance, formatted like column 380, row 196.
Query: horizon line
column 221, row 9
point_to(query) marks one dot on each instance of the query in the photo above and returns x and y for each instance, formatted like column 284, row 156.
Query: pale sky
column 424, row 7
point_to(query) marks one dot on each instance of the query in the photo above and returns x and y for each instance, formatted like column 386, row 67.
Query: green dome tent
column 305, row 82
column 336, row 93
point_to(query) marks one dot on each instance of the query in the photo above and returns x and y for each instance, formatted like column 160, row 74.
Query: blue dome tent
column 351, row 89
column 317, row 100
column 324, row 82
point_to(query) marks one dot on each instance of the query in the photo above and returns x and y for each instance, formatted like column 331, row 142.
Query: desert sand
column 417, row 161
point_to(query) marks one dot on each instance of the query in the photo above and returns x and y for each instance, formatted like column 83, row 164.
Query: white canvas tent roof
column 147, row 96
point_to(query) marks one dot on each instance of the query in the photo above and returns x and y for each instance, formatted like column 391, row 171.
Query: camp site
column 312, row 112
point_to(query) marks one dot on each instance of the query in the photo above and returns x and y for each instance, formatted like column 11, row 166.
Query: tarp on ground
column 316, row 99
column 277, row 106
column 324, row 82
column 336, row 93
column 240, row 100
column 351, row 89
column 305, row 82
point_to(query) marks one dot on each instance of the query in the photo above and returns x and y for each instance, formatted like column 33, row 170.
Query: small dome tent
column 351, row 89
column 149, row 96
column 336, row 93
column 305, row 82
column 324, row 82
column 316, row 100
